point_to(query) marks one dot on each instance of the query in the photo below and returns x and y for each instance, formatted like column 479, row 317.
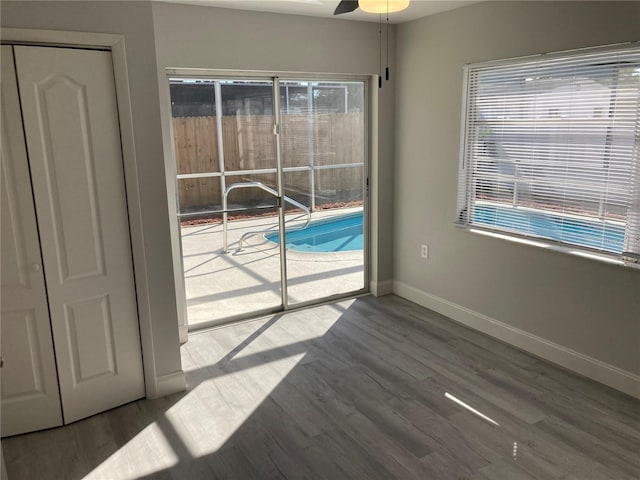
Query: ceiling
column 325, row 8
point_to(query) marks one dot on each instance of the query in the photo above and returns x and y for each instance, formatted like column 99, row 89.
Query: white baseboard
column 171, row 383
column 589, row 367
column 382, row 288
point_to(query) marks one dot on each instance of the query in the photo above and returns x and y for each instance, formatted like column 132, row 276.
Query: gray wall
column 587, row 306
column 218, row 38
column 134, row 21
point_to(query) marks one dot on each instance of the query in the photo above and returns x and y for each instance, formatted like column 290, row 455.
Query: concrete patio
column 220, row 285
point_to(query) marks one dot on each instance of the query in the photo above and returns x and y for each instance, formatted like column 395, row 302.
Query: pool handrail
column 267, row 189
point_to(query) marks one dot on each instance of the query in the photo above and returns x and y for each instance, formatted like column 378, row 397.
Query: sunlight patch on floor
column 471, row 409
column 184, row 433
column 231, row 374
column 233, row 403
column 145, row 454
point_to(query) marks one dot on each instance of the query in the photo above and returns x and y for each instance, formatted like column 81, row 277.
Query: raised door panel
column 30, row 396
column 90, row 330
column 71, row 125
column 70, row 169
column 20, row 346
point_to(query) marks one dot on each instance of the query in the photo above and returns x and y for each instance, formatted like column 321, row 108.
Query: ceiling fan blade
column 346, row 6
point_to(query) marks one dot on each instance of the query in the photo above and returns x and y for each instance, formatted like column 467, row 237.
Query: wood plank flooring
column 367, row 388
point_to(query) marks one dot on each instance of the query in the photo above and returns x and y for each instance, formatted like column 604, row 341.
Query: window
column 550, row 149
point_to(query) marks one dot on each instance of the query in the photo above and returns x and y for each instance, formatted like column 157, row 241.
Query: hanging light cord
column 387, row 69
column 380, row 52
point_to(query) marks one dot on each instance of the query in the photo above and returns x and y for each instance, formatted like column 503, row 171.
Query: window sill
column 576, row 251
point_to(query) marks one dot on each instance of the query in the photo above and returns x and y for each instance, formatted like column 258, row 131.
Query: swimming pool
column 600, row 235
column 339, row 234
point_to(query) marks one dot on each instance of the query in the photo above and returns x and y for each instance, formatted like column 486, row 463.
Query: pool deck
column 220, row 285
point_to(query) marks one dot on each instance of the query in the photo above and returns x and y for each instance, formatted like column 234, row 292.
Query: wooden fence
column 248, row 142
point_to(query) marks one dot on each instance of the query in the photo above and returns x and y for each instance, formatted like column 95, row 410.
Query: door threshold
column 264, row 314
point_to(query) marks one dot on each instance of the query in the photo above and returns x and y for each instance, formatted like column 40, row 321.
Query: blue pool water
column 594, row 234
column 341, row 234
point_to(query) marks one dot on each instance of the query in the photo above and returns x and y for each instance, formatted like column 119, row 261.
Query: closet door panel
column 71, row 125
column 30, row 397
column 63, row 114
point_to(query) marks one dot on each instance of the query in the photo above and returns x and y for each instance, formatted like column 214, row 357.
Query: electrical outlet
column 424, row 251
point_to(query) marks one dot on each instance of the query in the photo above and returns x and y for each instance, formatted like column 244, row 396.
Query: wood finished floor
column 371, row 388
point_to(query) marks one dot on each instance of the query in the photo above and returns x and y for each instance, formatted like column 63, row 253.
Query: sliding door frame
column 275, row 78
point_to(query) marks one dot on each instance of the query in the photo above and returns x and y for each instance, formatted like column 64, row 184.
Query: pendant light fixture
column 383, row 6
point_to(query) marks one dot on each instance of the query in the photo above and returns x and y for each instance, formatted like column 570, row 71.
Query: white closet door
column 30, row 397
column 73, row 139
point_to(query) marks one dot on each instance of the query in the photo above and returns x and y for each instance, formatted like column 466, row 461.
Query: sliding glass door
column 251, row 165
column 323, row 155
column 227, row 188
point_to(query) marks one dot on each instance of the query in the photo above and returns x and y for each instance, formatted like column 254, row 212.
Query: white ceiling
column 325, row 8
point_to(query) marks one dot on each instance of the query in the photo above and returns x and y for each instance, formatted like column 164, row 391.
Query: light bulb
column 383, row 6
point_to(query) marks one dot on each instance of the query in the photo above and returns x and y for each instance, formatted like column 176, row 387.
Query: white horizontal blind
column 550, row 149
